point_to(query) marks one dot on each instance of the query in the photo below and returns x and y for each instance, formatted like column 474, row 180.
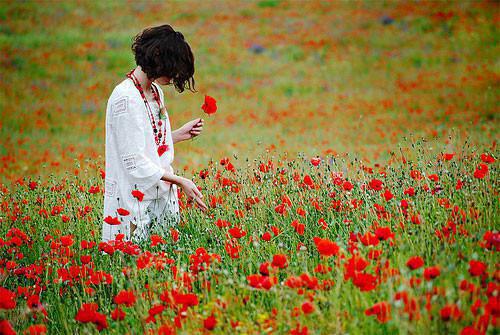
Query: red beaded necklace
column 160, row 139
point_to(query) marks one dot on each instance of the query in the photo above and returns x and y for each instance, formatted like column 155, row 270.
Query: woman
column 140, row 185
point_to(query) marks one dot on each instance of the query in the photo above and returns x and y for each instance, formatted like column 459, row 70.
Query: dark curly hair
column 162, row 51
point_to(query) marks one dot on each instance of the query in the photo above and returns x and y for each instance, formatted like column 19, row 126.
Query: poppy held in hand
column 210, row 105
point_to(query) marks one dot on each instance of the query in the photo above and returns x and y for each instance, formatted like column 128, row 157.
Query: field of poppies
column 351, row 170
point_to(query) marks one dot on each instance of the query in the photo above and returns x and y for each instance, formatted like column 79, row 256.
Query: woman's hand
column 191, row 129
column 192, row 192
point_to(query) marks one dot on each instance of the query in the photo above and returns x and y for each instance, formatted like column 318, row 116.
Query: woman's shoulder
column 124, row 89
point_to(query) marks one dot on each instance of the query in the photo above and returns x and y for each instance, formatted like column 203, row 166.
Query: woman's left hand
column 191, row 129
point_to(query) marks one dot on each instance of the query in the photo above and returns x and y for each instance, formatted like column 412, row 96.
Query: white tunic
column 133, row 163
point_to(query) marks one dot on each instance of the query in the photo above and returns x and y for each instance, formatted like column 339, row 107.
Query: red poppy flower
column 112, row 221
column 415, row 262
column 431, row 272
column 210, row 322
column 375, row 185
column 450, row 312
column 123, row 211
column 118, row 314
column 388, row 195
column 236, row 232
column 126, row 298
column 210, row 105
column 138, row 195
column 280, row 261
column 307, row 307
column 347, row 186
column 266, row 236
column 487, row 158
column 481, row 171
column 162, row 149
column 6, row 328
column 315, row 161
column 8, row 300
column 326, row 247
column 476, row 268
column 382, row 310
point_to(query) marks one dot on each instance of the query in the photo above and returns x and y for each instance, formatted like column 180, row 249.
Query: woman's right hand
column 192, row 192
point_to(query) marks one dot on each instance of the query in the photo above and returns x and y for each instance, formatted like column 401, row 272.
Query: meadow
column 350, row 170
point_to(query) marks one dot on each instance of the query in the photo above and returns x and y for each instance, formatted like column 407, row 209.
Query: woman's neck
column 142, row 78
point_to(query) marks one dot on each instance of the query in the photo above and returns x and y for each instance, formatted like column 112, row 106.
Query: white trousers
column 160, row 215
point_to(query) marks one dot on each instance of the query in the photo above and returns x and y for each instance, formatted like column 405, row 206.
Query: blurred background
column 317, row 77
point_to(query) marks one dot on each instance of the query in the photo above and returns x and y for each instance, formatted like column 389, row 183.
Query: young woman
column 140, row 185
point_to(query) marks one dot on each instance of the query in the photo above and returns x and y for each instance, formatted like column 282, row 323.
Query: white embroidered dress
column 133, row 163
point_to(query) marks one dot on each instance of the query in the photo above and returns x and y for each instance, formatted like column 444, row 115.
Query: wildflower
column 138, row 195
column 476, row 268
column 431, row 272
column 381, row 309
column 210, row 322
column 307, row 307
column 8, row 300
column 112, row 220
column 210, row 105
column 326, row 247
column 123, row 212
column 415, row 262
column 126, row 298
column 280, row 261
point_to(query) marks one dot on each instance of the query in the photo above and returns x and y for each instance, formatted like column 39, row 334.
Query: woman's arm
column 187, row 186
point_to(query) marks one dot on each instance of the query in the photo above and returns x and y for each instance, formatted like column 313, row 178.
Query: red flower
column 8, row 300
column 375, row 185
column 382, row 310
column 126, row 298
column 487, row 158
column 39, row 329
column 415, row 262
column 315, row 161
column 431, row 272
column 469, row 330
column 299, row 227
column 210, row 105
column 112, row 221
column 365, row 281
column 481, row 171
column 308, row 180
column 118, row 314
column 88, row 313
column 210, row 322
column 307, row 307
column 409, row 191
column 388, row 195
column 433, row 177
column 476, row 268
column 67, row 240
column 6, row 328
column 347, row 186
column 450, row 312
column 162, row 149
column 326, row 247
column 448, row 157
column 384, row 233
column 138, row 195
column 236, row 232
column 266, row 236
column 123, row 211
column 280, row 261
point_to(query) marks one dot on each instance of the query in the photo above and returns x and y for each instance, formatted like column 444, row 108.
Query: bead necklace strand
column 159, row 137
